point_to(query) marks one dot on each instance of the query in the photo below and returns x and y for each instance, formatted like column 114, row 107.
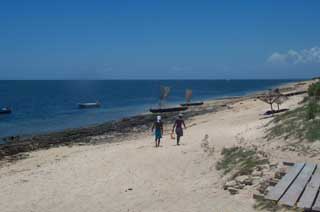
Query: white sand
column 169, row 178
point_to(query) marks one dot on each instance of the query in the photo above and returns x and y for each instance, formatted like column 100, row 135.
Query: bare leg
column 178, row 140
column 158, row 142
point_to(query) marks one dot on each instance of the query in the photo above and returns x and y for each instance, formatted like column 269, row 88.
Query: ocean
column 47, row 106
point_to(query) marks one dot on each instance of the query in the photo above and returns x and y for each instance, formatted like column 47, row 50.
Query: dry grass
column 239, row 160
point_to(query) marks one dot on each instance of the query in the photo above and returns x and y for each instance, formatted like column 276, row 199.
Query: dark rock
column 233, row 191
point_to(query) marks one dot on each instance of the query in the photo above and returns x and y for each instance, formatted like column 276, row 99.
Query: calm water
column 43, row 106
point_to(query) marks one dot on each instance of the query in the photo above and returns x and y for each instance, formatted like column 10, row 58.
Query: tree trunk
column 271, row 107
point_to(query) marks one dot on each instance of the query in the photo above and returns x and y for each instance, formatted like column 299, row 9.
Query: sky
column 167, row 39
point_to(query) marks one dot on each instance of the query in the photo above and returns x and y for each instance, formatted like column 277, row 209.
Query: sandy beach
column 133, row 175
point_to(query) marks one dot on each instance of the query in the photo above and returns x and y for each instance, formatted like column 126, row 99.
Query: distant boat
column 164, row 93
column 188, row 99
column 89, row 105
column 5, row 110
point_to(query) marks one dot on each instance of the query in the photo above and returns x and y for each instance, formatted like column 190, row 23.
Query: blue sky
column 159, row 39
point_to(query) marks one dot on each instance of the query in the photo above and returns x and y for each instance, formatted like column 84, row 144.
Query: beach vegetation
column 239, row 161
column 268, row 98
column 303, row 122
column 268, row 205
column 314, row 90
column 273, row 97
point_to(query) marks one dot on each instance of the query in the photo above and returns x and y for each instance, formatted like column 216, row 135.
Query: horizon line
column 152, row 79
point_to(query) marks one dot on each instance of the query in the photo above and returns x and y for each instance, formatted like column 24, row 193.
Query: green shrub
column 314, row 89
column 300, row 123
column 312, row 110
column 313, row 132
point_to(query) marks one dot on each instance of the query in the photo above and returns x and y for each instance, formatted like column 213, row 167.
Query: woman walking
column 178, row 127
column 158, row 126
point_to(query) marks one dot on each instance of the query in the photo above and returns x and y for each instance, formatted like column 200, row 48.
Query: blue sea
column 46, row 106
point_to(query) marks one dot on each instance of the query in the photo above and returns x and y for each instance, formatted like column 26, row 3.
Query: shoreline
column 117, row 130
column 125, row 172
column 43, row 119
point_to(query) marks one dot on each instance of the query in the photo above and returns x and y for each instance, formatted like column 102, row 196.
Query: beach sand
column 133, row 175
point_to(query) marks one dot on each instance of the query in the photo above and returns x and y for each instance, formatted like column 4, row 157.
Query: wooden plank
column 277, row 192
column 316, row 205
column 311, row 191
column 295, row 190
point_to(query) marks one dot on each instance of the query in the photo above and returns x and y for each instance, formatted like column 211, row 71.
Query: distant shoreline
column 172, row 103
column 112, row 131
column 37, row 114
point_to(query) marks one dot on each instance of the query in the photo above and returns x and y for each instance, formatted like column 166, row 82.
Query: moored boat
column 89, row 105
column 5, row 110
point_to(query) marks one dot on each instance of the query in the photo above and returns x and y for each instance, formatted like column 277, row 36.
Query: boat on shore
column 5, row 110
column 164, row 93
column 188, row 99
column 192, row 104
column 89, row 105
column 168, row 109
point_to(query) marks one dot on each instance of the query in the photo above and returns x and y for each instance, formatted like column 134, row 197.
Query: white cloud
column 277, row 58
column 305, row 56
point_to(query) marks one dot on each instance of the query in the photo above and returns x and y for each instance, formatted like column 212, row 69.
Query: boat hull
column 167, row 110
column 88, row 106
column 192, row 104
column 5, row 111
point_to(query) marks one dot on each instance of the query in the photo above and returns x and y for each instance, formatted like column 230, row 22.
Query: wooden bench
column 298, row 188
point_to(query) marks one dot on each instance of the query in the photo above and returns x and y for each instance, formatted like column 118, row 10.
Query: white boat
column 5, row 110
column 89, row 105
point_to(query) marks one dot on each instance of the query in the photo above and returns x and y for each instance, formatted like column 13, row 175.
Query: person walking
column 178, row 127
column 158, row 127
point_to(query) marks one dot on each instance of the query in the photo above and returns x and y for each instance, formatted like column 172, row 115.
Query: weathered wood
column 292, row 195
column 316, row 205
column 310, row 193
column 277, row 192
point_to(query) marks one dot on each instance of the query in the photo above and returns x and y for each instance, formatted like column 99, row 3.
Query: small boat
column 188, row 99
column 168, row 109
column 5, row 110
column 192, row 104
column 89, row 105
column 164, row 93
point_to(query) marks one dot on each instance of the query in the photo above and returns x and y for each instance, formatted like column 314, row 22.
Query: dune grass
column 302, row 123
column 240, row 160
column 267, row 205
